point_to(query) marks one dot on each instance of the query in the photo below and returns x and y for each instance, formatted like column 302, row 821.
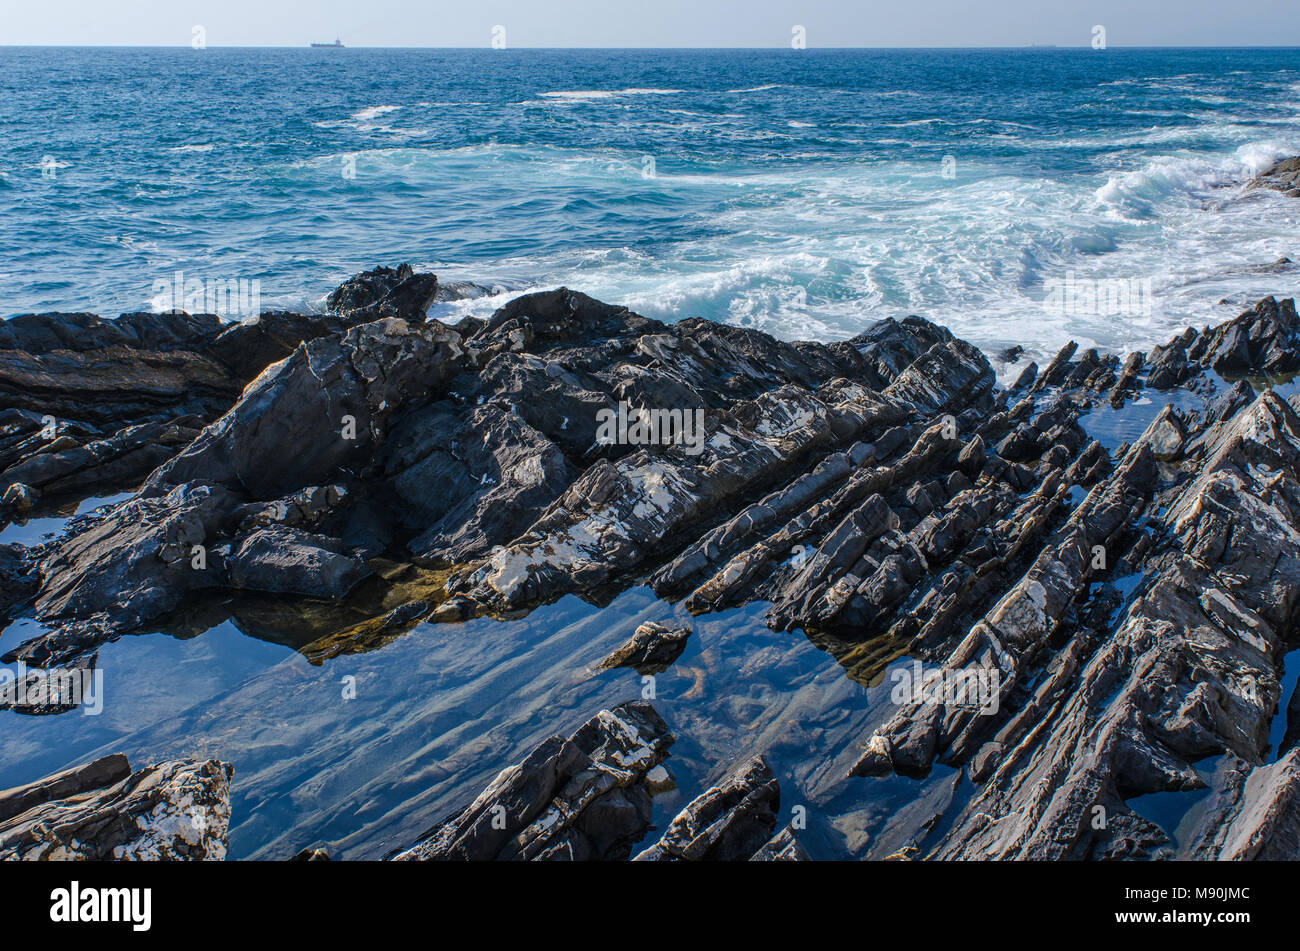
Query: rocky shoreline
column 1092, row 620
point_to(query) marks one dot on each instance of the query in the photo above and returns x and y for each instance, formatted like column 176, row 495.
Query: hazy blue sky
column 653, row 23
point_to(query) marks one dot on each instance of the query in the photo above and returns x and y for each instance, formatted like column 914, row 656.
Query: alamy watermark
column 651, row 427
column 228, row 297
column 961, row 687
column 55, row 687
column 1098, row 297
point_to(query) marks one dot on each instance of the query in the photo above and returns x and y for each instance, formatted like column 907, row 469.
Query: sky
column 660, row 23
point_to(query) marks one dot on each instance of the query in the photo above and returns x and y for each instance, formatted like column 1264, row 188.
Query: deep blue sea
column 807, row 193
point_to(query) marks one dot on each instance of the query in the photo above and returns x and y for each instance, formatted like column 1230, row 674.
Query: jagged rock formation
column 87, row 402
column 588, row 798
column 1263, row 342
column 572, row 799
column 1145, row 636
column 178, row 810
column 782, row 847
column 504, row 417
column 730, row 822
column 651, row 649
column 1185, row 668
column 1094, row 619
column 1252, row 815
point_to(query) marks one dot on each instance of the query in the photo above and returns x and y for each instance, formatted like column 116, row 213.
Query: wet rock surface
column 87, row 402
column 574, row 799
column 730, row 822
column 176, row 810
column 651, row 649
column 1252, row 814
column 1283, row 176
column 1089, row 618
column 588, row 798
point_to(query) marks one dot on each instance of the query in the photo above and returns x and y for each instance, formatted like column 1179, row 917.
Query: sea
column 806, row 193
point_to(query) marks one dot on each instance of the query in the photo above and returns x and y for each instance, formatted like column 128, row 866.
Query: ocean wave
column 1186, row 174
column 578, row 95
column 373, row 112
column 809, row 208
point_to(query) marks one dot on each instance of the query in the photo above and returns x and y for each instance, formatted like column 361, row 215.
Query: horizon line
column 308, row 46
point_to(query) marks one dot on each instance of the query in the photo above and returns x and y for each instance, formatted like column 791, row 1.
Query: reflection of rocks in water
column 18, row 580
column 589, row 798
column 576, row 799
column 54, row 691
column 383, row 607
column 863, row 661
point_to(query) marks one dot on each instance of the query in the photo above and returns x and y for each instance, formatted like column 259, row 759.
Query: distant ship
column 337, row 44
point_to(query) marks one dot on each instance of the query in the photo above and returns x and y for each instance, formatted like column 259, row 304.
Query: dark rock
column 329, row 400
column 87, row 402
column 1263, row 340
column 1026, row 378
column 103, row 772
column 384, row 292
column 1056, row 371
column 651, row 649
column 175, row 810
column 782, row 847
column 289, row 560
column 1253, row 815
column 1169, row 366
column 138, row 368
column 137, row 560
column 584, row 798
column 1125, row 708
column 1120, row 612
column 730, row 822
column 19, row 581
column 1127, row 384
column 250, row 346
column 505, row 423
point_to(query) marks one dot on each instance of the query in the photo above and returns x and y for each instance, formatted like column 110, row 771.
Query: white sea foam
column 587, row 94
column 1187, row 173
column 824, row 255
column 372, row 112
column 753, row 220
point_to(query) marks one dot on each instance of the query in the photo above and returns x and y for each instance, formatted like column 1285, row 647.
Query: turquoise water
column 802, row 192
